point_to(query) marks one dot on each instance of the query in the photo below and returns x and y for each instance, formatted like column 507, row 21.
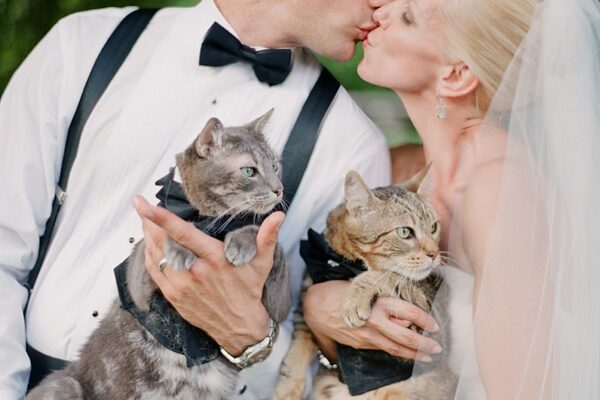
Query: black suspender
column 112, row 55
column 304, row 135
column 107, row 64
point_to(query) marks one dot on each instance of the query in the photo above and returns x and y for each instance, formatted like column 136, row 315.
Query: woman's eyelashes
column 407, row 18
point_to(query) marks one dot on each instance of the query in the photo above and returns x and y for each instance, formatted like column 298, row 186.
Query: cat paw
column 178, row 258
column 289, row 393
column 329, row 387
column 240, row 245
column 356, row 316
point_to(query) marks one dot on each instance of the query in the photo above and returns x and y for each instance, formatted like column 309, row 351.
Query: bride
column 504, row 94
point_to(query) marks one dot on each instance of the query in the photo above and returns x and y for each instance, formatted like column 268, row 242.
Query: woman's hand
column 386, row 328
column 217, row 297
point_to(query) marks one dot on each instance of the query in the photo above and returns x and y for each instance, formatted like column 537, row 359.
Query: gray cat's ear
column 259, row 123
column 209, row 139
column 358, row 196
column 415, row 183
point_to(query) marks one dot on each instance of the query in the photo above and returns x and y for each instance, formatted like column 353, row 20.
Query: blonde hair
column 485, row 35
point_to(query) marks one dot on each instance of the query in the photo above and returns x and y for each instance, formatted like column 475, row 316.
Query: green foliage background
column 24, row 22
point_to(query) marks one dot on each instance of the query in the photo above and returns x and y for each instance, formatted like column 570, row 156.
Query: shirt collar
column 211, row 14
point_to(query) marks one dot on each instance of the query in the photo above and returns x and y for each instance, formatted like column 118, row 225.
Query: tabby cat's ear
column 259, row 123
column 415, row 183
column 357, row 194
column 210, row 138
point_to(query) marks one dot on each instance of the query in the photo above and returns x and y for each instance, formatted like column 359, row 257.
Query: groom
column 155, row 105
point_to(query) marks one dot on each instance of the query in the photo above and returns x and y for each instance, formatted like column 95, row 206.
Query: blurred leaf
column 24, row 22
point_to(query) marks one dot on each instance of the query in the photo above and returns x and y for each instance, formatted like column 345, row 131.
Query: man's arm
column 29, row 157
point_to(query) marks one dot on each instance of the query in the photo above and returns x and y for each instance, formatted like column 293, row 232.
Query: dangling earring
column 440, row 107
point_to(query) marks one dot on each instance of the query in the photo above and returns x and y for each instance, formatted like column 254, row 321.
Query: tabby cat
column 395, row 233
column 224, row 172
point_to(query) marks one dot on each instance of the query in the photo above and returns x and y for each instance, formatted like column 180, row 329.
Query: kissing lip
column 367, row 39
column 364, row 31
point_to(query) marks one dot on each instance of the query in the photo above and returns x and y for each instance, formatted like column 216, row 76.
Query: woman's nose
column 380, row 15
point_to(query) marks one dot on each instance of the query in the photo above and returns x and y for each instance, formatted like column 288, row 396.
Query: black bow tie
column 222, row 48
column 324, row 264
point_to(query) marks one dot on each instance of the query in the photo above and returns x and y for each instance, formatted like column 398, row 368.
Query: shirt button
column 131, row 239
column 213, row 102
column 95, row 314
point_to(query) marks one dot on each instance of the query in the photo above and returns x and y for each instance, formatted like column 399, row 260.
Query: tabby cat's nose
column 278, row 191
column 431, row 254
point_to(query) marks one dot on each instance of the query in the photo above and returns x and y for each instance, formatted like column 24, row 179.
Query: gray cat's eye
column 248, row 171
column 404, row 232
column 435, row 227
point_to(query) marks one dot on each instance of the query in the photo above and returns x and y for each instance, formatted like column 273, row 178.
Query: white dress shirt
column 156, row 105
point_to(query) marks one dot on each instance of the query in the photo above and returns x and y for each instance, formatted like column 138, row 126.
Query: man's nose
column 378, row 3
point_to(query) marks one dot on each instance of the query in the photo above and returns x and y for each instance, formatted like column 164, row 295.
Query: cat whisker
column 284, row 204
column 387, row 272
column 237, row 205
column 447, row 260
column 234, row 215
column 236, row 211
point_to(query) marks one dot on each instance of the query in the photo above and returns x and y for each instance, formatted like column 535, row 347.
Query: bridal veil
column 537, row 308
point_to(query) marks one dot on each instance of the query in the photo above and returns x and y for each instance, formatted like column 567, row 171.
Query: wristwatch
column 257, row 352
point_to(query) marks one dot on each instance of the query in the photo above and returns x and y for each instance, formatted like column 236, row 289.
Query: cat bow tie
column 221, row 48
column 324, row 264
column 172, row 197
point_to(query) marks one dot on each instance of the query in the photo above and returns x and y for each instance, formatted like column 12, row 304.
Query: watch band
column 257, row 352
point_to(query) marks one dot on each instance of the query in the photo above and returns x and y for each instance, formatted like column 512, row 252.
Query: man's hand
column 386, row 329
column 217, row 297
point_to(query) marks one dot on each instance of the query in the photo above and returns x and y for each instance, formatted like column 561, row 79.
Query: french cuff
column 325, row 363
column 257, row 352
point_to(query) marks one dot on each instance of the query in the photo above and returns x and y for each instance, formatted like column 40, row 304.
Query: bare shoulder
column 486, row 176
column 500, row 194
column 482, row 193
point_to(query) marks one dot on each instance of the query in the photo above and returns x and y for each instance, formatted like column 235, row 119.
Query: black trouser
column 42, row 365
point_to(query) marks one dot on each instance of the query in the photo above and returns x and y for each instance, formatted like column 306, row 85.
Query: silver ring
column 162, row 264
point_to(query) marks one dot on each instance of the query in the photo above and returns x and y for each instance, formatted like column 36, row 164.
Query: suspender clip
column 61, row 195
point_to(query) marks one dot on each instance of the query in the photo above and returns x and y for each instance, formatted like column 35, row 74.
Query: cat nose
column 278, row 192
column 431, row 254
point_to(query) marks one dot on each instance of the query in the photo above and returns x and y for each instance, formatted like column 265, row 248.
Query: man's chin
column 340, row 53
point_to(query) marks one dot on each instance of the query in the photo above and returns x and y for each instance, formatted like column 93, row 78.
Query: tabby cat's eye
column 248, row 171
column 435, row 227
column 405, row 232
column 275, row 167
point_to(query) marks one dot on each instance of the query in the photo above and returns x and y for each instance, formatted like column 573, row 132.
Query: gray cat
column 226, row 171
